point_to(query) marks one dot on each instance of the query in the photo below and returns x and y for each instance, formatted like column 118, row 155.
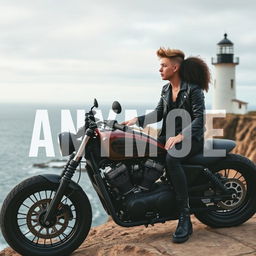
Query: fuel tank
column 119, row 145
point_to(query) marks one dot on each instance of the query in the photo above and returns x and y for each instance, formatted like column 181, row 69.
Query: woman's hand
column 130, row 122
column 173, row 140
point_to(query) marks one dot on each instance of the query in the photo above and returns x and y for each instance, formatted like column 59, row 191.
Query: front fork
column 67, row 175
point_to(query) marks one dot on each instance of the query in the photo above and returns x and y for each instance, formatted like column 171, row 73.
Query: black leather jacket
column 189, row 98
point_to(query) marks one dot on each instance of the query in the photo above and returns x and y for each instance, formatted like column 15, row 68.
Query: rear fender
column 53, row 178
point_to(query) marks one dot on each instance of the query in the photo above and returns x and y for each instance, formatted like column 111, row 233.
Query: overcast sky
column 72, row 51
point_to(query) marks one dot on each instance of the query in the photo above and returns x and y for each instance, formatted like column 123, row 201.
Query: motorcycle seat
column 214, row 150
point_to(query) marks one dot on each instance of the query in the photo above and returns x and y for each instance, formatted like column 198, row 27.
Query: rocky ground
column 112, row 240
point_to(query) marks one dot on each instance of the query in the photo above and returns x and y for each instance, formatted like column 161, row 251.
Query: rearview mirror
column 95, row 104
column 116, row 107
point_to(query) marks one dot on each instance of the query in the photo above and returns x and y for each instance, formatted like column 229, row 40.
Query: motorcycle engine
column 138, row 193
column 139, row 176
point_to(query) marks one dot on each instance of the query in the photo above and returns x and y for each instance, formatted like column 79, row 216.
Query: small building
column 239, row 107
column 224, row 87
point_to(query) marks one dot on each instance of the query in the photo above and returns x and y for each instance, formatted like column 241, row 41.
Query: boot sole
column 179, row 240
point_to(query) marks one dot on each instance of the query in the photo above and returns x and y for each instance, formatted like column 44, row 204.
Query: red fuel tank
column 118, row 145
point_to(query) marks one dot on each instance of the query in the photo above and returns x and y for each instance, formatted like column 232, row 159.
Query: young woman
column 188, row 78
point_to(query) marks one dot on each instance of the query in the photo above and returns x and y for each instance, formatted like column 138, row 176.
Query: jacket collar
column 183, row 86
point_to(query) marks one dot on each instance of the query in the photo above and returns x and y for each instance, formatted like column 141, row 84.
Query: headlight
column 67, row 141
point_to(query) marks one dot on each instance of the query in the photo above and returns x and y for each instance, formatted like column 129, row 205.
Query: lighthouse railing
column 218, row 60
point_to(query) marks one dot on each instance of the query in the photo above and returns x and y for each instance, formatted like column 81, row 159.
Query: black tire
column 70, row 229
column 246, row 208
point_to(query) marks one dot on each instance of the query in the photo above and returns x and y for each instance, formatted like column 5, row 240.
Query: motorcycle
column 51, row 215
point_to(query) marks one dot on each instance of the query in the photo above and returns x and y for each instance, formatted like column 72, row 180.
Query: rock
column 242, row 129
column 112, row 240
column 8, row 252
column 40, row 165
column 56, row 163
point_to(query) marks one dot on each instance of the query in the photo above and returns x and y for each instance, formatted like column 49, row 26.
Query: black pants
column 175, row 170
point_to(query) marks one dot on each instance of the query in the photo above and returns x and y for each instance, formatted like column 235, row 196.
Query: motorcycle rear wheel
column 22, row 219
column 241, row 177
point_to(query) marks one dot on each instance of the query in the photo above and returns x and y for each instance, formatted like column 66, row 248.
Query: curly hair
column 194, row 70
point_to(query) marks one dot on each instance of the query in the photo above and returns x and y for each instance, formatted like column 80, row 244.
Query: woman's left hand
column 173, row 140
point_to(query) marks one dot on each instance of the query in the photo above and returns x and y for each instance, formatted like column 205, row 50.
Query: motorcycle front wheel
column 23, row 212
column 239, row 175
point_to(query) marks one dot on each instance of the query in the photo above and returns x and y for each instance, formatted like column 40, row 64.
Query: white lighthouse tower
column 224, row 89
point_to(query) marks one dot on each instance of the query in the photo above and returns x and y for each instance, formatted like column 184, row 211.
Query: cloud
column 12, row 15
column 110, row 45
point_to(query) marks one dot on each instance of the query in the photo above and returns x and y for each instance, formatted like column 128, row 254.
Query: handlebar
column 114, row 124
column 120, row 127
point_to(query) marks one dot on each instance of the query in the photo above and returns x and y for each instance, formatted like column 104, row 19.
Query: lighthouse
column 224, row 87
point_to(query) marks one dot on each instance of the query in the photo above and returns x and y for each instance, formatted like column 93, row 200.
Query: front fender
column 53, row 178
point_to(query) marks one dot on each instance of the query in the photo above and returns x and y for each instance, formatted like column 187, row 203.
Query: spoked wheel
column 22, row 219
column 239, row 176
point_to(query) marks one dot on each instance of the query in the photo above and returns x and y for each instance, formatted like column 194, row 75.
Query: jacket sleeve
column 197, row 104
column 154, row 116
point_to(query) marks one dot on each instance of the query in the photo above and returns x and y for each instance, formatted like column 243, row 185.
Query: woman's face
column 168, row 68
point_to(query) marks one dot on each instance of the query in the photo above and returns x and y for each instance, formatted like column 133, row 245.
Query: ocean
column 16, row 128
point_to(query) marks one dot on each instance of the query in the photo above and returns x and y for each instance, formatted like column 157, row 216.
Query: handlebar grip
column 120, row 126
column 114, row 124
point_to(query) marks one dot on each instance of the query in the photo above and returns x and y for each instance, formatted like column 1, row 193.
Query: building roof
column 239, row 101
column 225, row 41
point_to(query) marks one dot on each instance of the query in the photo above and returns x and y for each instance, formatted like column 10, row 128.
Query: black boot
column 184, row 228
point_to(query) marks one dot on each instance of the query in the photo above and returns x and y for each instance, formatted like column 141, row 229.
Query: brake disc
column 35, row 216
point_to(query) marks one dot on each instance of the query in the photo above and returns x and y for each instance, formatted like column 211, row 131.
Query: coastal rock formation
column 242, row 129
